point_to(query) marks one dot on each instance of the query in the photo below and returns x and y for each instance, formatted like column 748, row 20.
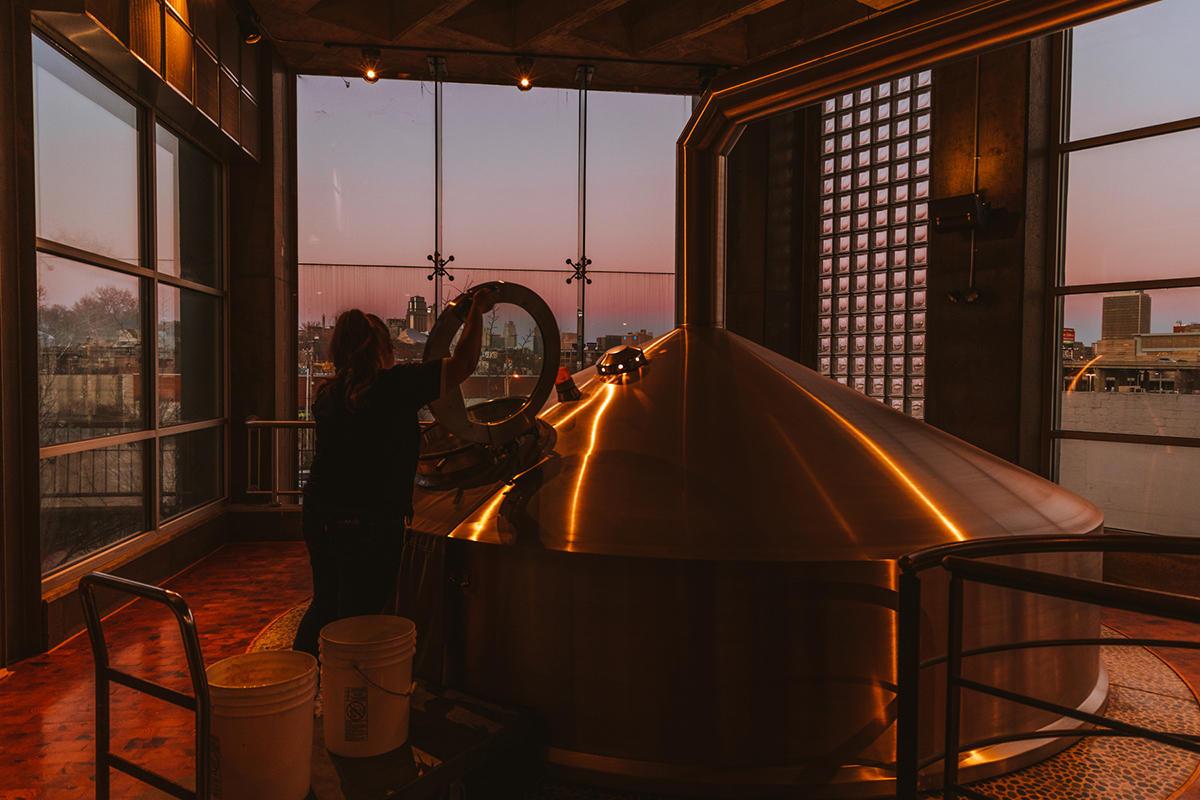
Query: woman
column 358, row 498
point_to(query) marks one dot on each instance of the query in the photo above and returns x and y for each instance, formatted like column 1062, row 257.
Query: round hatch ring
column 451, row 410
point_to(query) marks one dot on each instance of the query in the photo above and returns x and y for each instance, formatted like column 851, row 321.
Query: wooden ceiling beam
column 540, row 23
column 386, row 19
column 881, row 5
column 662, row 26
column 794, row 22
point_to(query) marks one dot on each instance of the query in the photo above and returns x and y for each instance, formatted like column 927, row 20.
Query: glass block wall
column 875, row 154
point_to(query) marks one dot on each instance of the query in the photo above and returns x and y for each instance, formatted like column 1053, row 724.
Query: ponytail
column 359, row 348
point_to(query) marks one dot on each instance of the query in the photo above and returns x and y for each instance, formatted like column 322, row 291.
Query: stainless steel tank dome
column 718, row 448
column 694, row 578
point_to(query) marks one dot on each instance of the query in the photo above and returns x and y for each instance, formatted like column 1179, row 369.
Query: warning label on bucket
column 356, row 713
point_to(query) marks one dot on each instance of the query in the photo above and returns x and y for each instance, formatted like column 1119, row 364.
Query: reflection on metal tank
column 696, row 583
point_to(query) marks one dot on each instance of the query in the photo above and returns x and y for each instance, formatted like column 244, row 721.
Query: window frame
column 1060, row 148
column 157, row 531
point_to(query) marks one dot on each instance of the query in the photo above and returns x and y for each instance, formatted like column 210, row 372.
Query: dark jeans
column 354, row 566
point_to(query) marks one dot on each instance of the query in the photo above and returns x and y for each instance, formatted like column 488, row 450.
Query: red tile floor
column 46, row 702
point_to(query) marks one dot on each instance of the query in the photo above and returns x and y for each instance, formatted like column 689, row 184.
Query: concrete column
column 765, row 226
column 985, row 359
column 262, row 282
column 20, row 578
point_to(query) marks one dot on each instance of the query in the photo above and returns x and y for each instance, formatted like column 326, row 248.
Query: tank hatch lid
column 720, row 449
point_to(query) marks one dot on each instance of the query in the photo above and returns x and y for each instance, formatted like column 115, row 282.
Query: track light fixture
column 524, row 74
column 583, row 75
column 371, row 58
column 437, row 67
column 969, row 296
column 248, row 28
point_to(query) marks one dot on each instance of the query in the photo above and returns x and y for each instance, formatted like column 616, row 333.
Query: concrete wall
column 1138, row 413
column 1140, row 487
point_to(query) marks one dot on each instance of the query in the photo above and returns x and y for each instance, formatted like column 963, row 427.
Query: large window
column 874, row 242
column 392, row 173
column 130, row 308
column 1127, row 432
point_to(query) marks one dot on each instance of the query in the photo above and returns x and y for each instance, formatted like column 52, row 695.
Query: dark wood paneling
column 764, row 235
column 746, row 233
column 975, row 351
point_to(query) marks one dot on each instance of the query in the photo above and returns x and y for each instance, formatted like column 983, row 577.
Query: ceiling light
column 248, row 28
column 371, row 58
column 524, row 74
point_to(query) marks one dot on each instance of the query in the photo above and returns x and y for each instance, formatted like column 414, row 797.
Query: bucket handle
column 362, row 675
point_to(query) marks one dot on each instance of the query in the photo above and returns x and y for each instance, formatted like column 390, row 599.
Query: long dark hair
column 359, row 347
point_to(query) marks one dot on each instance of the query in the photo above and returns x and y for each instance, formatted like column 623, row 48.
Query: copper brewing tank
column 695, row 584
column 693, row 579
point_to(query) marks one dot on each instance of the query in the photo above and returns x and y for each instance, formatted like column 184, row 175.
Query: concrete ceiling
column 654, row 45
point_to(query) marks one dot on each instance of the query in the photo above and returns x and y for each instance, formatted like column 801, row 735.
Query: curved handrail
column 909, row 662
column 1049, row 543
column 254, row 423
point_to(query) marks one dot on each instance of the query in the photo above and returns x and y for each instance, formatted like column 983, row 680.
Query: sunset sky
column 366, row 183
column 510, row 183
column 1130, row 208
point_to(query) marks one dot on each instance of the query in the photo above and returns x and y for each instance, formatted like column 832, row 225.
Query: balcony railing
column 959, row 560
column 266, row 469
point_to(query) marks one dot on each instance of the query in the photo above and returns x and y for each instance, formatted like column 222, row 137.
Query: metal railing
column 198, row 702
column 957, row 560
column 303, row 446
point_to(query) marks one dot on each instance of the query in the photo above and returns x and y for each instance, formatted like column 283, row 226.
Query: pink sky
column 510, row 195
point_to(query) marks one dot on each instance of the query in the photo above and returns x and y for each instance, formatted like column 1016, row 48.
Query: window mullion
column 150, row 331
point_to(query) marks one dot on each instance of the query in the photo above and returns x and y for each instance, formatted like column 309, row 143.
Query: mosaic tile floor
column 1143, row 690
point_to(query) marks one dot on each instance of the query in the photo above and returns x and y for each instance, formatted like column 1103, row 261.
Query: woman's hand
column 483, row 300
column 466, row 355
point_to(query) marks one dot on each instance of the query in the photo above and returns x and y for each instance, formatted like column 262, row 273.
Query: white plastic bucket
column 366, row 679
column 262, row 725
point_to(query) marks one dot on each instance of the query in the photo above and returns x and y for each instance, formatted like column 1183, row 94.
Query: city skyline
column 1084, row 312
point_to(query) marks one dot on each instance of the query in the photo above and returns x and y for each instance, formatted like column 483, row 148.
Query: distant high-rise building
column 569, row 354
column 396, row 326
column 418, row 314
column 606, row 343
column 539, row 347
column 510, row 335
column 1124, row 315
column 637, row 339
